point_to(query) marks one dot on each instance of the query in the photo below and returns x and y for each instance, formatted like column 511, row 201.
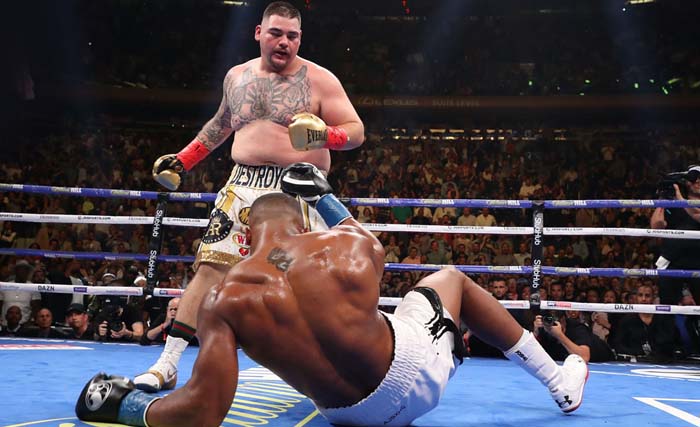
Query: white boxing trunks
column 224, row 241
column 423, row 363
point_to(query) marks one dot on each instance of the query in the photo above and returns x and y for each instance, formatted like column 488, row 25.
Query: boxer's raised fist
column 168, row 171
column 309, row 132
column 306, row 181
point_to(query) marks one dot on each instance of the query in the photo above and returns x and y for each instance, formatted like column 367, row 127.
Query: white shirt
column 20, row 299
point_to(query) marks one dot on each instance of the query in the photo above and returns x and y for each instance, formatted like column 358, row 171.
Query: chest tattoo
column 280, row 259
column 275, row 98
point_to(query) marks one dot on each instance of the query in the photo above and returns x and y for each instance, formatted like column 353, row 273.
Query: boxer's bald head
column 275, row 207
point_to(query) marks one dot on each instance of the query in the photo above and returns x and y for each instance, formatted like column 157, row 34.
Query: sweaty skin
column 261, row 96
column 301, row 305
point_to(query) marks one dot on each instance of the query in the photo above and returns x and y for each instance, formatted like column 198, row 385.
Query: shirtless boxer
column 267, row 102
column 313, row 297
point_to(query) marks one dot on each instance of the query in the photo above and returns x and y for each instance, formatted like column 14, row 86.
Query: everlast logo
column 316, row 135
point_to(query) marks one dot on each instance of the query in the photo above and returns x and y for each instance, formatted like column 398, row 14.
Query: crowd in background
column 450, row 48
column 528, row 164
column 435, row 48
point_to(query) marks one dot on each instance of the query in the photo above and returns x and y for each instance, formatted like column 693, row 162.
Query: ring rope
column 472, row 269
column 413, row 228
column 359, row 201
column 387, row 301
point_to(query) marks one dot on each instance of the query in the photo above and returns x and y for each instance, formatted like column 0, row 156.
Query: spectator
column 652, row 336
column 159, row 328
column 13, row 324
column 28, row 302
column 79, row 324
column 43, row 326
column 563, row 334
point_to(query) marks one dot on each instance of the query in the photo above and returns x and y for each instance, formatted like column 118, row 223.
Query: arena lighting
column 639, row 1
column 235, row 3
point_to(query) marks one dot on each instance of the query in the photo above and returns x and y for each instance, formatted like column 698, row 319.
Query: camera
column 548, row 319
column 664, row 188
column 110, row 313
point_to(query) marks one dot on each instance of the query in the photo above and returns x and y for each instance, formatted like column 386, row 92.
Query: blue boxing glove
column 304, row 180
column 111, row 398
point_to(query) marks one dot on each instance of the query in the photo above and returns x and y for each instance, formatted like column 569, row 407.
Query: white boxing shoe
column 161, row 376
column 569, row 394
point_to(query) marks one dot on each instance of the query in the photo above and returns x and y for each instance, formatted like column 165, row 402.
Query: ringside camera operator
column 561, row 334
column 116, row 320
column 680, row 253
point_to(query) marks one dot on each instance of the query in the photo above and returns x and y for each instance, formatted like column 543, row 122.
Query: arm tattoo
column 280, row 259
column 219, row 127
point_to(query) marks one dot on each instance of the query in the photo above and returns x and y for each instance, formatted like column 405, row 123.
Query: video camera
column 665, row 190
column 110, row 312
column 549, row 319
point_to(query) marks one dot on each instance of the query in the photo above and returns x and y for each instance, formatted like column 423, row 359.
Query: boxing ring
column 42, row 378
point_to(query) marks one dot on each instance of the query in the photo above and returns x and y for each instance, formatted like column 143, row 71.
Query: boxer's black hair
column 283, row 9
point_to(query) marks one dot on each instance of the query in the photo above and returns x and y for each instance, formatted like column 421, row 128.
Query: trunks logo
column 219, row 227
column 243, row 215
column 240, row 239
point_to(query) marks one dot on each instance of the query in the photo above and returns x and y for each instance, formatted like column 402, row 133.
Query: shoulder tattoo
column 280, row 259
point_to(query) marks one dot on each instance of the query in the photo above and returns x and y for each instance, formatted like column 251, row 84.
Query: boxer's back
column 306, row 308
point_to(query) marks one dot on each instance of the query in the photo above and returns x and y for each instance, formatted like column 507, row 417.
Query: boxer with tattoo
column 283, row 109
column 304, row 305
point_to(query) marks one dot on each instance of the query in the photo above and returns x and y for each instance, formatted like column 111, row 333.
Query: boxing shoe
column 161, row 376
column 569, row 393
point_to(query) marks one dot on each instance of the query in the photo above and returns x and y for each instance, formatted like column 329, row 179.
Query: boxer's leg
column 163, row 374
column 488, row 320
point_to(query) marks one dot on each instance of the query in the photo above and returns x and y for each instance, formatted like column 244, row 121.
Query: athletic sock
column 176, row 343
column 182, row 330
column 529, row 354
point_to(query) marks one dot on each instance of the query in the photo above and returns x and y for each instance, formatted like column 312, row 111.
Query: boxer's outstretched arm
column 206, row 398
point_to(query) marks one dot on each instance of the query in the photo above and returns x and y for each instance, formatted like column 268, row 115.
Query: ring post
column 155, row 242
column 536, row 255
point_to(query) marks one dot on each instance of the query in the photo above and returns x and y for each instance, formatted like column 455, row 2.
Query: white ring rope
column 414, row 228
column 383, row 301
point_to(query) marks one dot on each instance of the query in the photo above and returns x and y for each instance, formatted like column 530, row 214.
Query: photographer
column 562, row 334
column 118, row 321
column 680, row 254
column 161, row 326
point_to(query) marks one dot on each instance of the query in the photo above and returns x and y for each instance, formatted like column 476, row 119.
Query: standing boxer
column 267, row 102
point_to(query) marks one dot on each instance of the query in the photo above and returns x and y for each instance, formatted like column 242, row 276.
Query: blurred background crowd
column 539, row 49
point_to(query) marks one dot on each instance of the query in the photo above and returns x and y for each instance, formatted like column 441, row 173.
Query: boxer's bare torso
column 305, row 309
column 258, row 106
